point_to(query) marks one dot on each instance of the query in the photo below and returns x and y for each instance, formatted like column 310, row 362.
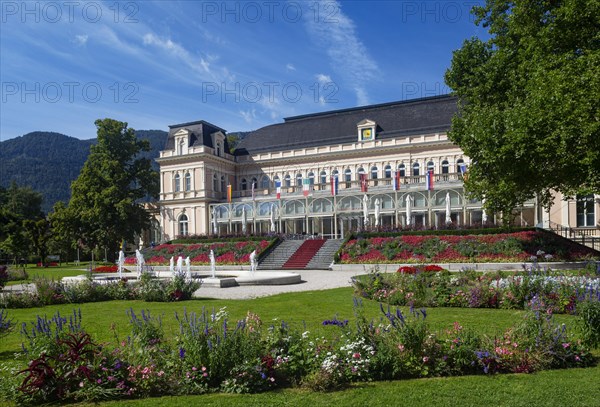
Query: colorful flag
column 334, row 186
column 306, row 186
column 463, row 170
column 253, row 191
column 278, row 188
column 429, row 180
column 229, row 190
column 396, row 181
column 364, row 183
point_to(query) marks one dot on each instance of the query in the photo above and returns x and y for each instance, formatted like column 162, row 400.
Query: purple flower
column 181, row 353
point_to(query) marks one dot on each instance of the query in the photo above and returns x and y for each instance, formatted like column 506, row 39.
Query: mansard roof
column 395, row 119
column 200, row 134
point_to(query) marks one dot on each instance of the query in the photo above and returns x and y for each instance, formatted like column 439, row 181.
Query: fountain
column 253, row 262
column 214, row 278
column 213, row 264
column 120, row 263
column 188, row 269
column 140, row 262
column 179, row 268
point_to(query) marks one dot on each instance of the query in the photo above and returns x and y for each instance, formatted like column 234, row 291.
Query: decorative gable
column 181, row 141
column 366, row 130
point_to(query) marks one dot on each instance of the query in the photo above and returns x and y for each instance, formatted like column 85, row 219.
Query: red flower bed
column 106, row 269
column 430, row 268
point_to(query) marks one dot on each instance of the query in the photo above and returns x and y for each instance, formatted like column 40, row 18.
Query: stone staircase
column 281, row 254
column 304, row 254
column 319, row 257
column 324, row 257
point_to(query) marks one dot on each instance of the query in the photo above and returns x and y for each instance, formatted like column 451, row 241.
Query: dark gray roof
column 404, row 118
column 200, row 134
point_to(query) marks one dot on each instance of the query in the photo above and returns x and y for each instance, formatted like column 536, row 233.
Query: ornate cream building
column 364, row 148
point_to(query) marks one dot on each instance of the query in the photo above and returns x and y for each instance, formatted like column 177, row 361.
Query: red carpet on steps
column 304, row 254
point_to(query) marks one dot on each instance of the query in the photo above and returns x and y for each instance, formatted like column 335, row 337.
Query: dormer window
column 218, row 152
column 366, row 130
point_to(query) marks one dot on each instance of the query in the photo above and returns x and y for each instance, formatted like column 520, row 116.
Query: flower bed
column 226, row 253
column 558, row 293
column 500, row 247
column 64, row 363
column 106, row 269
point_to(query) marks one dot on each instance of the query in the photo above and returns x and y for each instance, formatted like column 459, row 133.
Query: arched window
column 180, row 147
column 335, row 174
column 323, row 177
column 177, row 183
column 299, row 180
column 374, row 171
column 188, row 181
column 223, row 188
column 264, row 183
column 218, row 150
column 244, row 185
column 275, row 179
column 402, row 169
column 183, row 224
column 445, row 167
column 311, row 178
column 288, row 180
column 254, row 182
column 215, row 182
column 415, row 168
column 348, row 177
column 445, row 170
column 388, row 171
column 359, row 172
column 430, row 166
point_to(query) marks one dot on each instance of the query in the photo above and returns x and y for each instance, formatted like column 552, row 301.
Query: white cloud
column 81, row 40
column 290, row 67
column 322, row 78
column 348, row 55
column 203, row 65
column 248, row 115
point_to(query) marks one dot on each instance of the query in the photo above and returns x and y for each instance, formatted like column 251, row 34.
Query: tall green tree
column 529, row 100
column 18, row 205
column 106, row 200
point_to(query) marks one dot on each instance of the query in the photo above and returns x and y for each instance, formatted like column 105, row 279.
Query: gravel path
column 311, row 280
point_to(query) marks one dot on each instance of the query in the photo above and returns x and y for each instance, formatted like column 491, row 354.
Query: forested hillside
column 49, row 162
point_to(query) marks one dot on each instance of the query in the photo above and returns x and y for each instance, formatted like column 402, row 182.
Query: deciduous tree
column 529, row 100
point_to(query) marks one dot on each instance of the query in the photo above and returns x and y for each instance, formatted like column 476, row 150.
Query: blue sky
column 239, row 65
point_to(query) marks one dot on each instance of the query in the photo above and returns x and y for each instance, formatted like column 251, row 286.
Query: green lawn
column 55, row 273
column 573, row 387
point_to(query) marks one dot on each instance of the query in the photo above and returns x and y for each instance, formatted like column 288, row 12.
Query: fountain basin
column 222, row 279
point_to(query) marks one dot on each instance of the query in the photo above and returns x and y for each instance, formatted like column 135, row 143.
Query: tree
column 17, row 206
column 105, row 206
column 39, row 233
column 529, row 100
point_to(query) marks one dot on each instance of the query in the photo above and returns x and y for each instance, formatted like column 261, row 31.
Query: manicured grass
column 55, row 273
column 309, row 308
column 573, row 387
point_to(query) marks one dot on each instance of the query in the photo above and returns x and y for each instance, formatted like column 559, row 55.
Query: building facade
column 381, row 166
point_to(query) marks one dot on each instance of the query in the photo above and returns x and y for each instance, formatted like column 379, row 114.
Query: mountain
column 48, row 162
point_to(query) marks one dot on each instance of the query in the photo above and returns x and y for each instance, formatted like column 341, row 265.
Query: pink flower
column 566, row 345
column 356, row 355
column 401, row 348
column 425, row 359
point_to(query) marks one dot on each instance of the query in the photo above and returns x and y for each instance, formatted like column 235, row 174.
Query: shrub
column 589, row 317
column 3, row 276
